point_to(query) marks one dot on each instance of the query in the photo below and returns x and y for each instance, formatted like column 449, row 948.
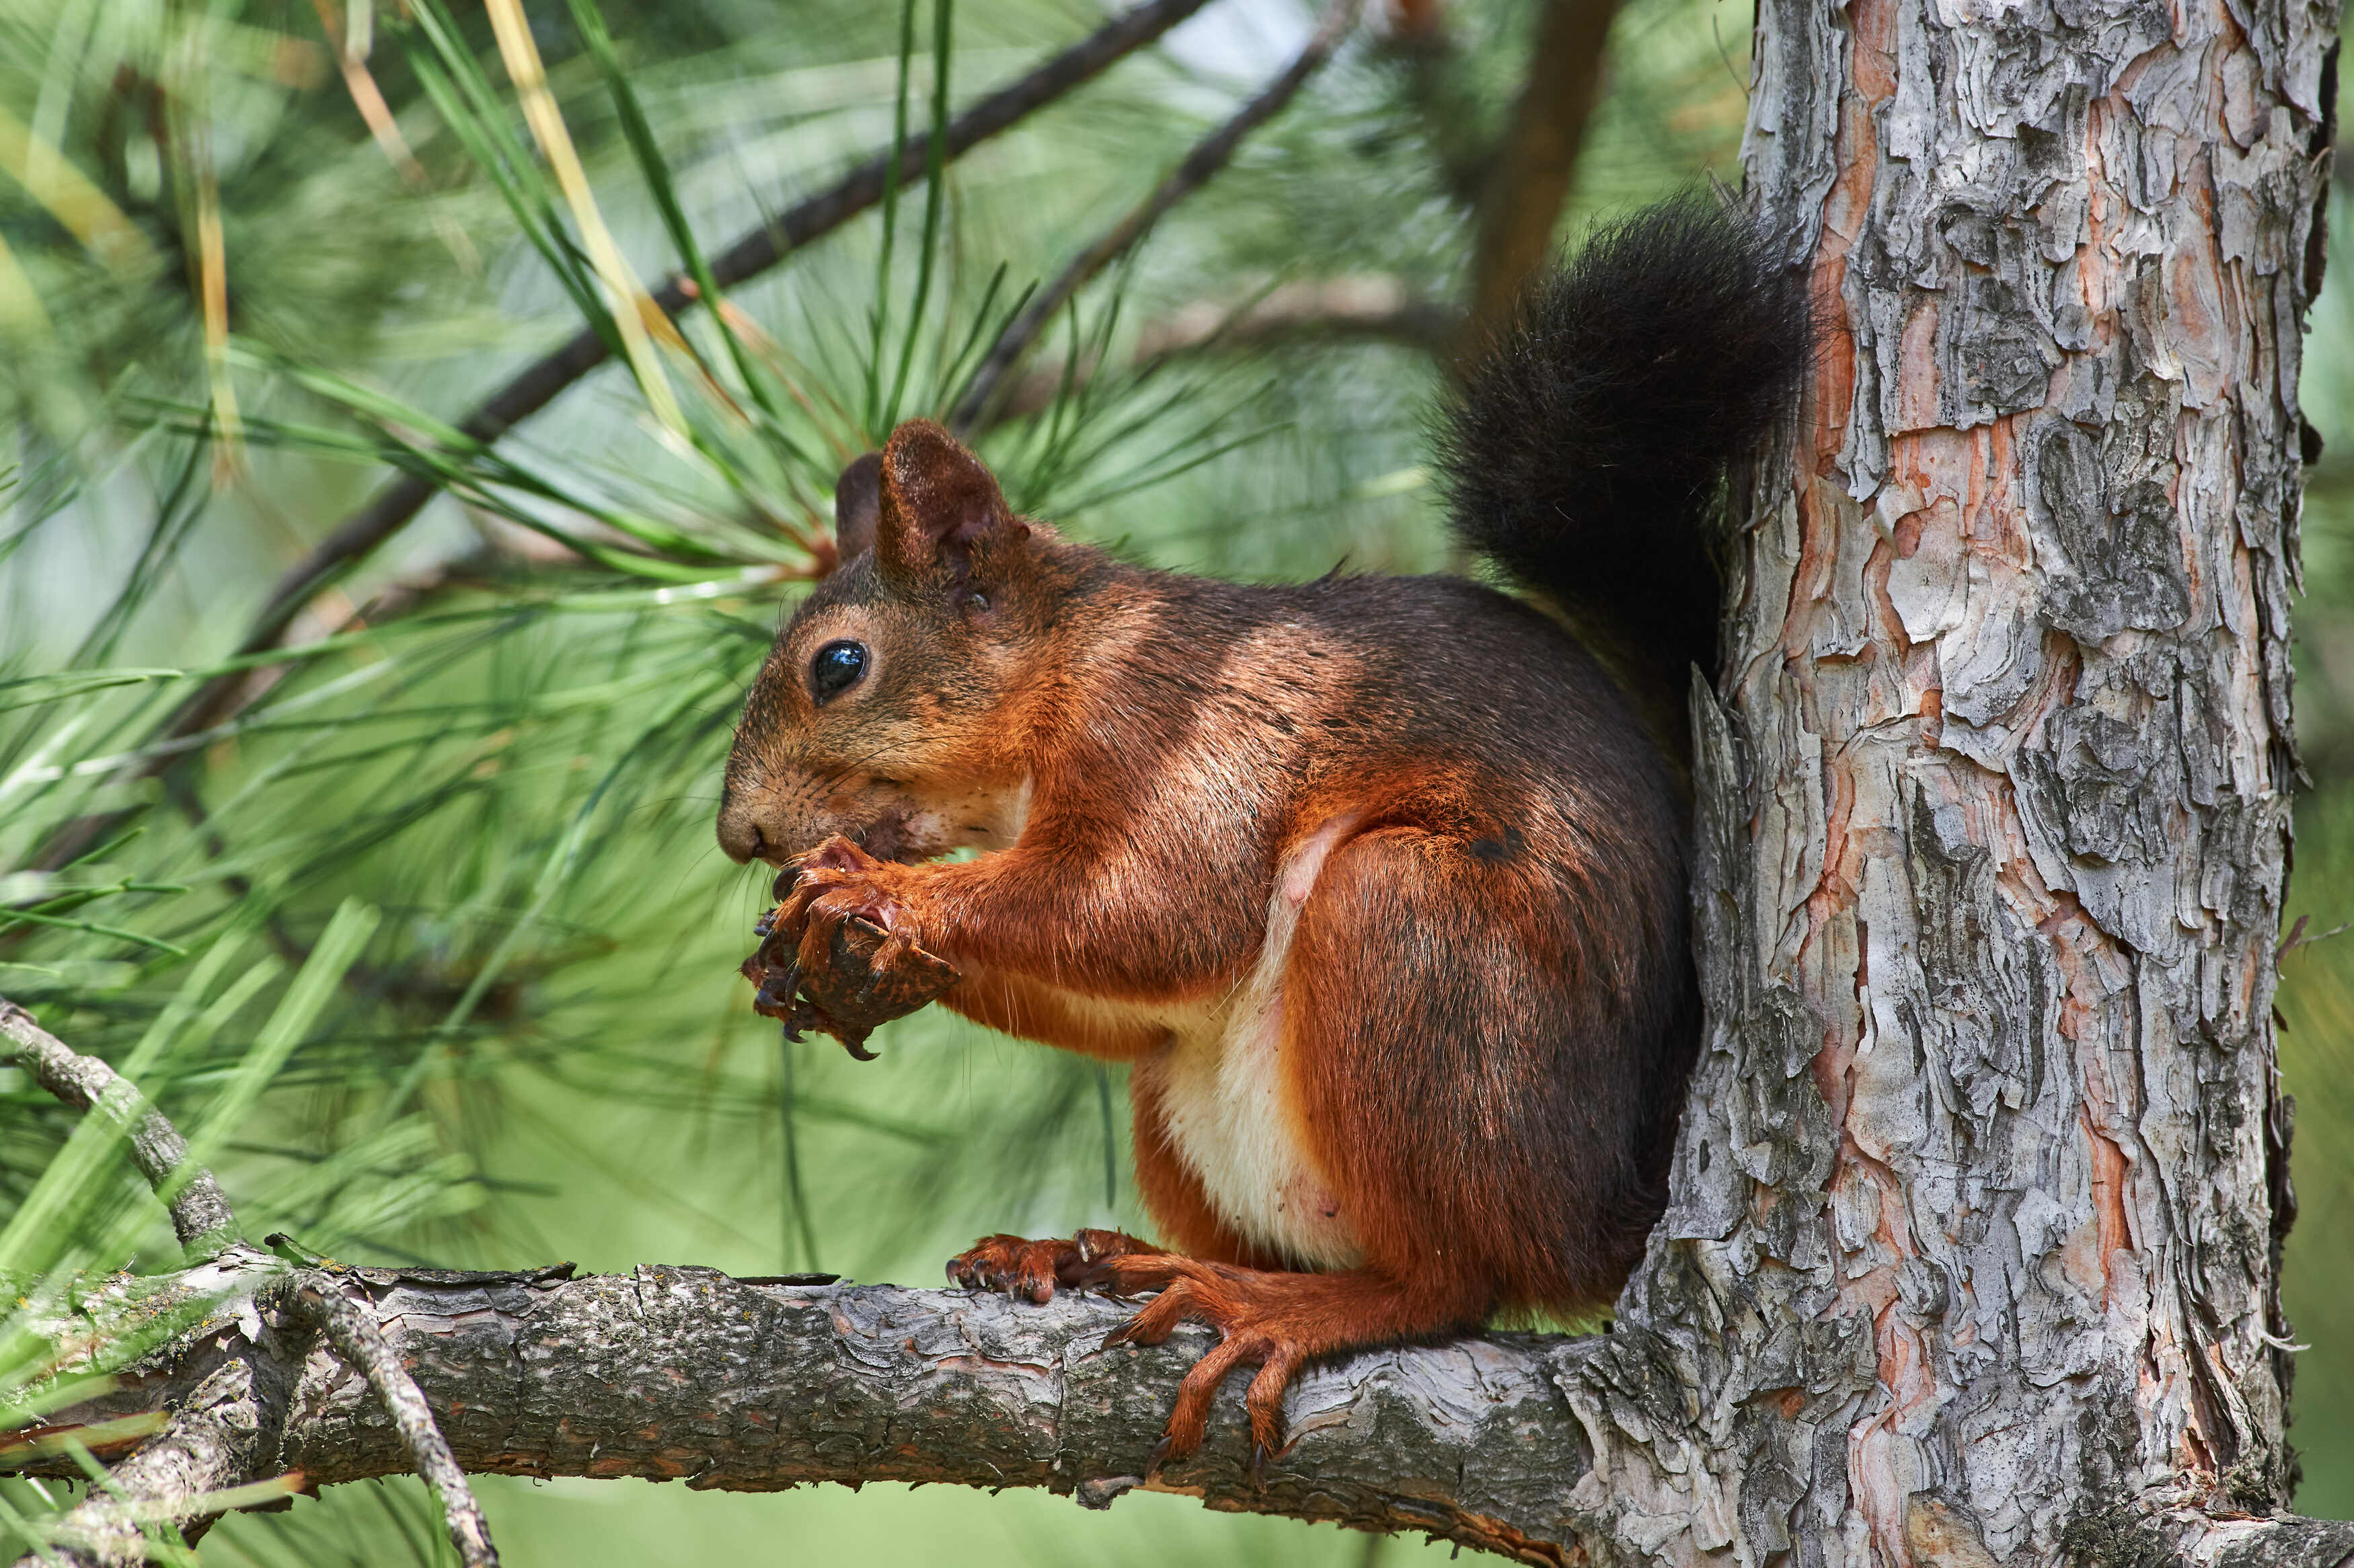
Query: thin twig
column 2298, row 938
column 1447, row 100
column 1209, row 155
column 361, row 1342
column 393, row 506
column 201, row 1217
column 1361, row 309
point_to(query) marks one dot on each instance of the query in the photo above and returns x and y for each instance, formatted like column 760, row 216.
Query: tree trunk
column 1975, row 1236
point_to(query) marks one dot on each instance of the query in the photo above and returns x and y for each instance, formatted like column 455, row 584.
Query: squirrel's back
column 1585, row 451
column 1379, row 883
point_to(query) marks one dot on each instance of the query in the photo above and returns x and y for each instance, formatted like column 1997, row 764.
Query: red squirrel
column 1378, row 884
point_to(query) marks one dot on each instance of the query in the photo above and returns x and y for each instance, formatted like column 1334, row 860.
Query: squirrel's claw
column 1019, row 1268
column 839, row 955
column 775, row 998
column 1262, row 1320
column 1036, row 1268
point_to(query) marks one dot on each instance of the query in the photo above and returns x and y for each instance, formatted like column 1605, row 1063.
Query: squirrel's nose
column 740, row 837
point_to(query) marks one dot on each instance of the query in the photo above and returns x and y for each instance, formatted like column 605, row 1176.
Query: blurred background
column 413, row 917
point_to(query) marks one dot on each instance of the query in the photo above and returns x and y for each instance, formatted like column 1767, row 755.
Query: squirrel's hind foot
column 1276, row 1322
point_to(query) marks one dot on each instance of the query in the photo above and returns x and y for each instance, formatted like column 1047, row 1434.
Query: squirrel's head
column 882, row 713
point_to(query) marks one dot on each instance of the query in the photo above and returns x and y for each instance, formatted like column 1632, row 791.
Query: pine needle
column 85, row 211
column 634, row 312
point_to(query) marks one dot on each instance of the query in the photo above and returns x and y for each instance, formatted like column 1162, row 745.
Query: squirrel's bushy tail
column 1584, row 453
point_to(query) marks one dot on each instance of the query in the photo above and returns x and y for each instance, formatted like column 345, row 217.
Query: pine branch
column 393, row 507
column 201, row 1217
column 353, row 1330
column 222, row 1430
column 222, row 1434
column 752, row 1385
column 1529, row 183
column 1209, row 155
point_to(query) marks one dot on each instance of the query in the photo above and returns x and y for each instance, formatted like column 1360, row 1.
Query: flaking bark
column 1972, row 1253
column 742, row 1385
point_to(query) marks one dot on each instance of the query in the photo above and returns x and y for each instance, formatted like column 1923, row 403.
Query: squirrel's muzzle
column 744, row 837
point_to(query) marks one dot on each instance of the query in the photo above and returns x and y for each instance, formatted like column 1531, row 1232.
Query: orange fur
column 1378, row 884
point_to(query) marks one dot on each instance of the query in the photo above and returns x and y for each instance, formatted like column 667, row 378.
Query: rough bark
column 672, row 1374
column 1974, row 1238
column 227, row 1406
column 200, row 1214
column 750, row 1385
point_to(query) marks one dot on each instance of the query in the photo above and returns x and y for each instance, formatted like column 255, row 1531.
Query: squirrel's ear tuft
column 939, row 504
column 857, row 506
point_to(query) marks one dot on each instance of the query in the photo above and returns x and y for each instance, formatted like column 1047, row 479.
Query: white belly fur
column 1221, row 1095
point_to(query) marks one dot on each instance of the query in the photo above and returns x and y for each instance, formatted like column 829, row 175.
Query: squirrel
column 1378, row 884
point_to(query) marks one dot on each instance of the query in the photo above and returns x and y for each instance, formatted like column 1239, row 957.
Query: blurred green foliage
column 432, row 940
column 2316, row 987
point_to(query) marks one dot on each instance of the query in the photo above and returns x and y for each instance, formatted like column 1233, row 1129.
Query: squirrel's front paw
column 1033, row 1269
column 841, row 955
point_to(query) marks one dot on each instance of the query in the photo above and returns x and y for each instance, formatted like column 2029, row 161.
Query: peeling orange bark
column 1982, row 1153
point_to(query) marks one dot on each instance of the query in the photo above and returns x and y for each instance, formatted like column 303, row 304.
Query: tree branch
column 224, row 1430
column 758, row 1385
column 224, row 1425
column 354, row 1332
column 1528, row 184
column 1370, row 308
column 201, row 1217
column 754, row 1386
column 1209, row 155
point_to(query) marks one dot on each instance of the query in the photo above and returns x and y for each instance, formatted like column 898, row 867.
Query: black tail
column 1584, row 453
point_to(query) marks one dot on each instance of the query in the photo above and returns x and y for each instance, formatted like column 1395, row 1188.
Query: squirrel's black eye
column 836, row 668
